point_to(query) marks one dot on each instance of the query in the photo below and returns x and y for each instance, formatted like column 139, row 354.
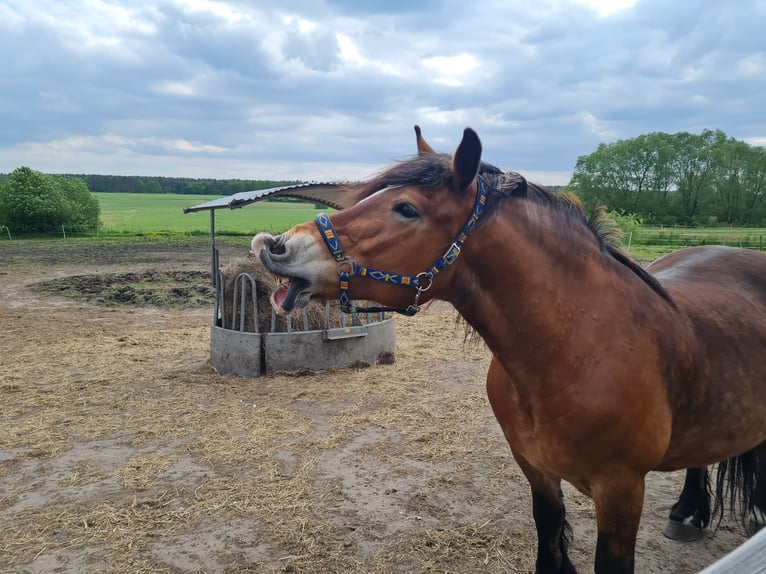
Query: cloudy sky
column 330, row 89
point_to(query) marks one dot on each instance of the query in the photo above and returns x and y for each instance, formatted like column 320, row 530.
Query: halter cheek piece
column 421, row 282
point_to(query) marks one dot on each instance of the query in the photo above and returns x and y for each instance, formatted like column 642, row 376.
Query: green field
column 649, row 243
column 142, row 214
column 148, row 215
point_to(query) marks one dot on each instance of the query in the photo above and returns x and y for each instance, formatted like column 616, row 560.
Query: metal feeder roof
column 331, row 194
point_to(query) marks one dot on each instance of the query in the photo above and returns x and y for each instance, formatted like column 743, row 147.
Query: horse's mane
column 433, row 170
column 604, row 229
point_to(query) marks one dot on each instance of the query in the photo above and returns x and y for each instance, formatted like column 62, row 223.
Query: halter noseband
column 421, row 282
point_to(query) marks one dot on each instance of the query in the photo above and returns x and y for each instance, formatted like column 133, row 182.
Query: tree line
column 182, row 185
column 681, row 178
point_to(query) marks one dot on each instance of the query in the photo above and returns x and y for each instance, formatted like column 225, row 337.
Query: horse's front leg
column 550, row 520
column 619, row 498
column 691, row 514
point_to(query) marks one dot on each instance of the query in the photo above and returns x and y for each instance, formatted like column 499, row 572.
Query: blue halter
column 421, row 282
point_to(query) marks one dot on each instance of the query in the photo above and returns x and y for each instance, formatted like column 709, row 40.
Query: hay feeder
column 246, row 336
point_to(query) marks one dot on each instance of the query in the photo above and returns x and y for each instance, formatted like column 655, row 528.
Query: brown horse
column 601, row 371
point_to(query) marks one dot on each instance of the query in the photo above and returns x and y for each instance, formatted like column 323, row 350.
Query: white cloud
column 607, row 7
column 432, row 115
column 753, row 64
column 10, row 18
column 595, row 126
column 451, row 70
column 109, row 143
column 351, row 55
column 176, row 88
column 191, row 147
column 224, row 11
column 302, row 25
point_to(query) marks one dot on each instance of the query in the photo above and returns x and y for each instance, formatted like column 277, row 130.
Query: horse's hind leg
column 756, row 518
column 550, row 521
column 691, row 514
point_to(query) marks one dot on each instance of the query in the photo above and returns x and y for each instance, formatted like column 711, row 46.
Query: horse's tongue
column 278, row 297
column 284, row 297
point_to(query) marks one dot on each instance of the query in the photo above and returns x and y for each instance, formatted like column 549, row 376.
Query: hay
column 123, row 528
column 142, row 472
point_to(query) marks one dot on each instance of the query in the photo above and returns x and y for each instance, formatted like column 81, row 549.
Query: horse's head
column 395, row 246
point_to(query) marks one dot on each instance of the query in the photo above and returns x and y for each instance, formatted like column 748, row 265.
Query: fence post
column 63, row 231
column 747, row 557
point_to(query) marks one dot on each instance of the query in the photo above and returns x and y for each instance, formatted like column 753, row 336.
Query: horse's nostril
column 278, row 247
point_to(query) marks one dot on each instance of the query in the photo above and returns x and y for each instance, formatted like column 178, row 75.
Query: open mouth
column 290, row 293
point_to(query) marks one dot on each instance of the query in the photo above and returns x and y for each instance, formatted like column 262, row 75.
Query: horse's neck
column 533, row 283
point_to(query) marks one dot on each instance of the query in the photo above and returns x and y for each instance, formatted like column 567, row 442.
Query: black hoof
column 676, row 530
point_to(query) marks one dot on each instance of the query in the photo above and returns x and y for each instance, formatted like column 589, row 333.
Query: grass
column 649, row 243
column 141, row 214
column 751, row 237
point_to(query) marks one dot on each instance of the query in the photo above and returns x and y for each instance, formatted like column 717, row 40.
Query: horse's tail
column 735, row 484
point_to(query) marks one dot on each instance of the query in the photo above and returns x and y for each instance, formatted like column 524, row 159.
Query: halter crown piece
column 421, row 282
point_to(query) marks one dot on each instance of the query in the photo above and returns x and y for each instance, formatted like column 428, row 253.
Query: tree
column 81, row 208
column 693, row 165
column 31, row 201
column 740, row 181
column 629, row 175
column 676, row 178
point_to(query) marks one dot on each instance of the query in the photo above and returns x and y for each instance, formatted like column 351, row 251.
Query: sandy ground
column 122, row 450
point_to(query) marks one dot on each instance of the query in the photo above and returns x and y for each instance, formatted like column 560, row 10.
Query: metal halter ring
column 428, row 275
column 345, row 265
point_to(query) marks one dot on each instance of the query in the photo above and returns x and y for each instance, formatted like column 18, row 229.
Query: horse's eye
column 406, row 210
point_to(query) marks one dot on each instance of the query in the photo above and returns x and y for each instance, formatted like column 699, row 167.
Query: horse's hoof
column 676, row 530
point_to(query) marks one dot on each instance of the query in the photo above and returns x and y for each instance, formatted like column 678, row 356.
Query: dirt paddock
column 122, row 450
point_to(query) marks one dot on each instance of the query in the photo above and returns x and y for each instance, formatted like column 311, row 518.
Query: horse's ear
column 423, row 147
column 467, row 158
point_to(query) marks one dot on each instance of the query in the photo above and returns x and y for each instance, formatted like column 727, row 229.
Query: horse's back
column 722, row 290
column 710, row 272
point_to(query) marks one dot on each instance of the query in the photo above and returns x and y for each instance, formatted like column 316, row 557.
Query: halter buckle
column 452, row 253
